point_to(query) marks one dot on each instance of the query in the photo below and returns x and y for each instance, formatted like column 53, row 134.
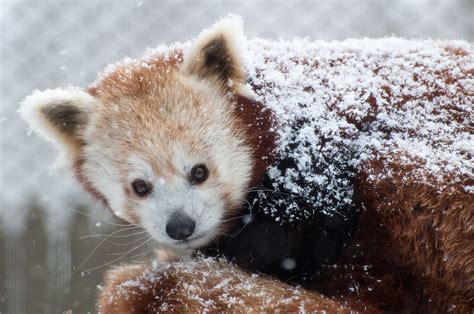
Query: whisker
column 100, row 219
column 124, row 244
column 115, row 236
column 142, row 254
column 245, row 225
column 119, row 258
column 141, row 239
column 234, row 218
column 260, row 189
column 243, row 215
column 95, row 249
column 248, row 203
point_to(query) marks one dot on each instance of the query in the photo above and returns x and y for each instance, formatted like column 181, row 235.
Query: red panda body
column 298, row 138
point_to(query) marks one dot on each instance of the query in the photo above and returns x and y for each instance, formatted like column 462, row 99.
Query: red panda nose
column 180, row 226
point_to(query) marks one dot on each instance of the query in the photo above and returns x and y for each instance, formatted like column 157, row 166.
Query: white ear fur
column 60, row 115
column 219, row 53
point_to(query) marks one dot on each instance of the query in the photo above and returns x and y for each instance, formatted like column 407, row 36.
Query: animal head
column 161, row 144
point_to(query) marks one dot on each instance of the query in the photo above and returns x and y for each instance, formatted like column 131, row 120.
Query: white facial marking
column 140, row 169
column 202, row 203
column 104, row 178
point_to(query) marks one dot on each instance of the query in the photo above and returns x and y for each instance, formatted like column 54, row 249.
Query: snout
column 180, row 226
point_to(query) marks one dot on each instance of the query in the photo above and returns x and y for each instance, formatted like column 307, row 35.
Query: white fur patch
column 33, row 104
column 202, row 203
column 105, row 178
column 141, row 169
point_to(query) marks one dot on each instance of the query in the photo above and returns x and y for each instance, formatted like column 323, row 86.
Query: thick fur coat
column 318, row 138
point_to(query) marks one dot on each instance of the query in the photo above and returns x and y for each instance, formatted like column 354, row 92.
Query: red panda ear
column 60, row 115
column 218, row 54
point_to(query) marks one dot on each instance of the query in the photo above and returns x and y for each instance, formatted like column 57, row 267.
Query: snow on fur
column 339, row 105
column 33, row 104
column 204, row 285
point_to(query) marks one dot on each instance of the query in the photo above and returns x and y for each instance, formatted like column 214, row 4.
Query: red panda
column 294, row 137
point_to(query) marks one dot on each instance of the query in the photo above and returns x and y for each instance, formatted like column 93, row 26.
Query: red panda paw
column 203, row 284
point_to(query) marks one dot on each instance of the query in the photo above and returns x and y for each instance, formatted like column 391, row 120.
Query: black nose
column 180, row 226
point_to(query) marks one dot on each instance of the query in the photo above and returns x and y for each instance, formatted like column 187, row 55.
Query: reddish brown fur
column 137, row 81
column 167, row 294
column 414, row 248
column 413, row 252
column 417, row 245
column 395, row 263
column 256, row 121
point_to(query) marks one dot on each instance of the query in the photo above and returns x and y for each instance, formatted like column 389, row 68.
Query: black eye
column 199, row 173
column 141, row 187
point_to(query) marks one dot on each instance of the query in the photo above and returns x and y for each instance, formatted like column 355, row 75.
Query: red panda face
column 158, row 140
column 171, row 160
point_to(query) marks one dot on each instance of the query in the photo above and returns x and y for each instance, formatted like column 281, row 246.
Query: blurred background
column 52, row 248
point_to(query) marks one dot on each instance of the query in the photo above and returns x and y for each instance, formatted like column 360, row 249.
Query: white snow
column 344, row 103
column 231, row 286
column 412, row 119
column 288, row 263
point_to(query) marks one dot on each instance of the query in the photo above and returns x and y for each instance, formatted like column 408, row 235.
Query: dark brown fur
column 65, row 117
column 413, row 251
column 256, row 122
column 396, row 262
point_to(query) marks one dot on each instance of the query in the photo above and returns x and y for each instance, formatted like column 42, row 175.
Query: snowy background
column 46, row 44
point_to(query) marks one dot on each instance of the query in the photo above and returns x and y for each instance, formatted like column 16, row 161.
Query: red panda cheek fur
column 77, row 168
column 129, row 214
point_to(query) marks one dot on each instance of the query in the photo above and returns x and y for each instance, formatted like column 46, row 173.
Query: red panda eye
column 141, row 187
column 199, row 173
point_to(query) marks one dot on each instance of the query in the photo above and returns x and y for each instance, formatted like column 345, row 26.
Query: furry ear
column 218, row 54
column 60, row 115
